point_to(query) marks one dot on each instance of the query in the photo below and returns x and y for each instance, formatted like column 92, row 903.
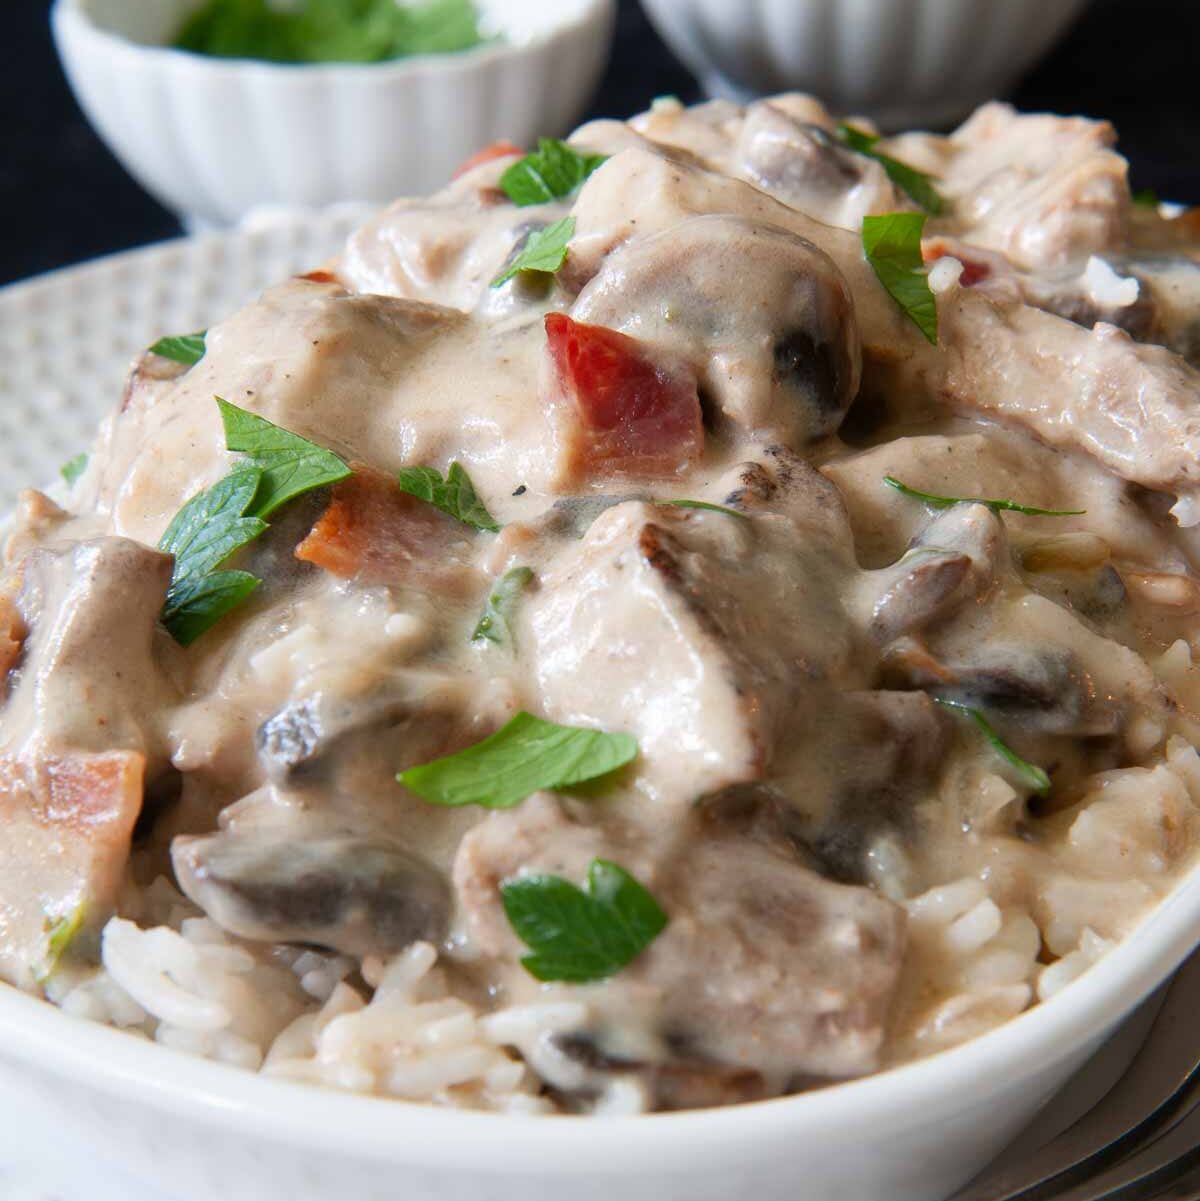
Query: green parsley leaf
column 196, row 603
column 525, row 756
column 214, row 524
column 892, row 244
column 702, row 504
column 187, row 349
column 290, row 465
column 59, row 936
column 582, row 934
column 916, row 184
column 454, row 495
column 1147, row 197
column 945, row 502
column 1034, row 776
column 546, row 251
column 494, row 624
column 307, row 31
column 551, row 172
column 72, row 469
column 211, row 527
column 219, row 521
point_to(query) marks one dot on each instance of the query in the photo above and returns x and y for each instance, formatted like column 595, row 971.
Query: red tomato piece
column 633, row 416
column 495, row 150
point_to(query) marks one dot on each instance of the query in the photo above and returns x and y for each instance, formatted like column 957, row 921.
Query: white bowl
column 213, row 138
column 202, row 1130
column 904, row 63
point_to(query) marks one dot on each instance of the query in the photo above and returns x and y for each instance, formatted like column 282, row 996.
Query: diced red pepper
column 495, row 150
column 631, row 415
column 372, row 531
column 974, row 271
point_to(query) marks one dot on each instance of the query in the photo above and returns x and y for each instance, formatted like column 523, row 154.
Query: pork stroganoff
column 685, row 615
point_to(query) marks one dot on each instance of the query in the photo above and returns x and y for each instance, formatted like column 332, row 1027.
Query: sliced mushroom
column 1044, row 688
column 870, row 758
column 789, row 363
column 354, row 894
column 308, row 728
column 804, row 165
column 953, row 560
column 672, row 1084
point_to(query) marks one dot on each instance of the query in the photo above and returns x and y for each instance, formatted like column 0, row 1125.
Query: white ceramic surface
column 212, row 138
column 905, row 63
column 200, row 1131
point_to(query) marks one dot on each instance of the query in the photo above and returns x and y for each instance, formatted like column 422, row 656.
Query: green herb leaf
column 1147, row 197
column 290, row 465
column 494, row 624
column 582, row 934
column 196, row 603
column 187, row 349
column 551, row 172
column 916, row 184
column 892, row 244
column 356, row 31
column 996, row 506
column 205, row 532
column 213, row 524
column 454, row 495
column 527, row 755
column 216, row 523
column 72, row 469
column 59, row 936
column 546, row 251
column 702, row 504
column 1033, row 775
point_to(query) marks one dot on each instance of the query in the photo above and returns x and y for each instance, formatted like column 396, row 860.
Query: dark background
column 63, row 197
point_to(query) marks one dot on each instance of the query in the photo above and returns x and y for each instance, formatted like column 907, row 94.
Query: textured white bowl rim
column 74, row 13
column 384, row 1130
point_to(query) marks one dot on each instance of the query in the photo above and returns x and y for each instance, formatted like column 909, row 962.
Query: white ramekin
column 213, row 138
column 208, row 1132
column 904, row 63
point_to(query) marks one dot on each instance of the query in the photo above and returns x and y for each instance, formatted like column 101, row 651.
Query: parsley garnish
column 291, row 465
column 892, row 244
column 545, row 251
column 551, row 172
column 1033, row 775
column 494, row 624
column 916, row 184
column 1147, row 197
column 525, row 756
column 701, row 504
column 59, row 936
column 72, row 469
column 354, row 31
column 187, row 349
column 454, row 495
column 219, row 521
column 945, row 502
column 582, row 934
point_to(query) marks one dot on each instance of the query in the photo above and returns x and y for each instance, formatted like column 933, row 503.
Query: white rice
column 982, row 948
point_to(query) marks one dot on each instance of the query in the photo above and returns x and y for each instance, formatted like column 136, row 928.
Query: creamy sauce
column 802, row 807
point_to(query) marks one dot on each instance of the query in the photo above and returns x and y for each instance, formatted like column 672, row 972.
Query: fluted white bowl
column 202, row 1131
column 214, row 138
column 903, row 62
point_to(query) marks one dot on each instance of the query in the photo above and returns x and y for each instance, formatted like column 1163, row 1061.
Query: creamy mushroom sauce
column 798, row 791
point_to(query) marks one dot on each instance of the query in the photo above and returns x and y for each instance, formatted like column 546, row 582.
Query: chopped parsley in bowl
column 321, row 31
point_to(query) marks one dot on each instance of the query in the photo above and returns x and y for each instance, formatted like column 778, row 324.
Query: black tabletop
column 63, row 198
